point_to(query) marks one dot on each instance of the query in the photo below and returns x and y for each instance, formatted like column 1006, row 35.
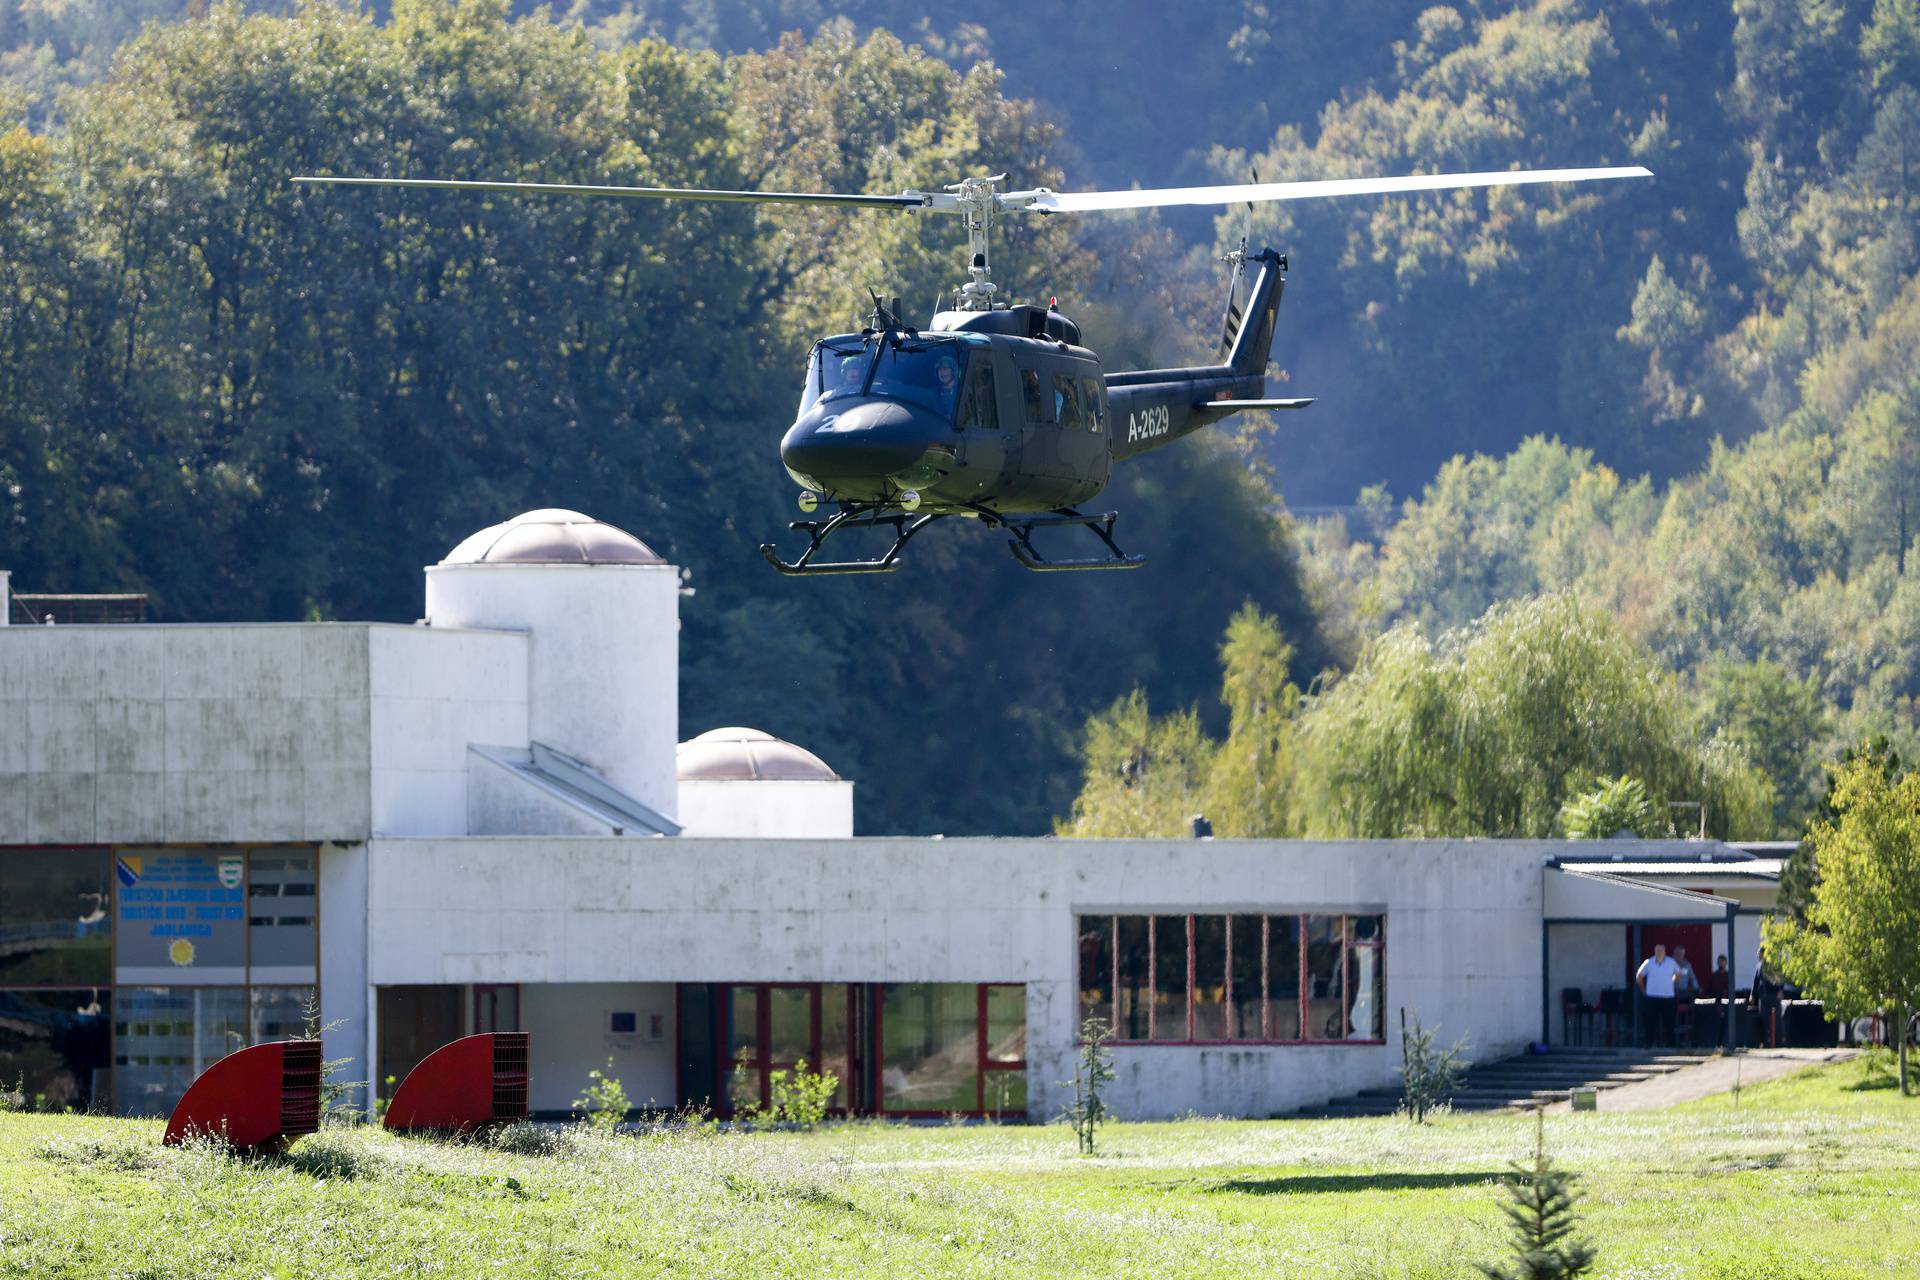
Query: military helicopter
column 999, row 411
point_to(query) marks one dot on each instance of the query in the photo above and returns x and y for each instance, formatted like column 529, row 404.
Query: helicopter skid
column 867, row 515
column 852, row 516
column 1021, row 543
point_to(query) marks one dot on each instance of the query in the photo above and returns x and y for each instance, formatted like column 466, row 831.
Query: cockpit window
column 837, row 368
column 930, row 378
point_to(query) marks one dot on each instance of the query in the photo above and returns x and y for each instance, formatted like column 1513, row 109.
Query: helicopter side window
column 1038, row 410
column 1066, row 403
column 977, row 404
column 1096, row 403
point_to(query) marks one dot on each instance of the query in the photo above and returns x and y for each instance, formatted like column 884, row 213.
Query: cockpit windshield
column 928, row 377
column 928, row 374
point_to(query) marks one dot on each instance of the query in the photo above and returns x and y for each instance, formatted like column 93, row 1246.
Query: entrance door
column 414, row 1021
column 765, row 1027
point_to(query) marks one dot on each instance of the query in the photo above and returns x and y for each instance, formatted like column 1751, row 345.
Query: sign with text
column 181, row 916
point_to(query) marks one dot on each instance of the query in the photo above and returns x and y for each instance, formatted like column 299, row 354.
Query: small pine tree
column 335, row 1092
column 1540, row 1212
column 1428, row 1075
column 1092, row 1071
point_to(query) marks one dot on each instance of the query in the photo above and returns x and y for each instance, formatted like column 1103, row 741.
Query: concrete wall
column 501, row 802
column 568, row 1036
column 183, row 733
column 605, row 659
column 229, row 733
column 776, row 810
column 1463, row 950
column 431, row 692
column 346, row 1001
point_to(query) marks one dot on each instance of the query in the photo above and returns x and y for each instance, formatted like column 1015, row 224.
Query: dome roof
column 749, row 755
column 552, row 535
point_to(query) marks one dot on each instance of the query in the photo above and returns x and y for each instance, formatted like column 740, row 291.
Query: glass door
column 765, row 1027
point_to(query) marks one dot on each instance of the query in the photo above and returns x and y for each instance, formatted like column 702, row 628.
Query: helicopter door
column 982, row 442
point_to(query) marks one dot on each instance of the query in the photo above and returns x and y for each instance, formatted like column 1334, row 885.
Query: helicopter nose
column 866, row 441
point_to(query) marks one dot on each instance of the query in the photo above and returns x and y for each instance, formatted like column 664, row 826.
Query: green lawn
column 1816, row 1175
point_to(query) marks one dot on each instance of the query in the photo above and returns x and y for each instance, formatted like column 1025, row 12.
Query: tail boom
column 1153, row 407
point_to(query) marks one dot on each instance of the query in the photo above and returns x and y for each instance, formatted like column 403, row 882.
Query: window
column 1215, row 979
column 53, row 918
column 837, row 368
column 1093, row 397
column 1039, row 409
column 978, row 408
column 1096, row 968
column 930, row 1047
column 125, row 973
column 1131, row 988
column 281, row 929
column 56, row 1048
column 1171, row 979
column 929, row 377
column 949, row 1047
column 1210, row 978
column 1066, row 403
column 1246, row 1015
column 164, row 1037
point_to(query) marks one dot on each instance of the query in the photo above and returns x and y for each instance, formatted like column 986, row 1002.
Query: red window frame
column 1348, row 944
column 981, row 1064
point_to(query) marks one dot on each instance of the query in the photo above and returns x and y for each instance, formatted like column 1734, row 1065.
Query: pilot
column 946, row 373
column 851, row 370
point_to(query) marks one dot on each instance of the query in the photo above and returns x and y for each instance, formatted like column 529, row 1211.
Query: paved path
column 1716, row 1075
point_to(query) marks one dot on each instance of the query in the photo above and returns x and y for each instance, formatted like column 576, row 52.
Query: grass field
column 1815, row 1175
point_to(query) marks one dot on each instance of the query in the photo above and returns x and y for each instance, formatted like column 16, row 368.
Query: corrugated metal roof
column 1752, row 868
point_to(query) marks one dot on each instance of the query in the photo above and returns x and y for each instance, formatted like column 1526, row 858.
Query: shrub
column 799, row 1097
column 604, row 1100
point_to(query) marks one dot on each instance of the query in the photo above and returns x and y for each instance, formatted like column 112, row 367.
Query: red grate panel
column 258, row 1098
column 509, row 1076
column 466, row 1085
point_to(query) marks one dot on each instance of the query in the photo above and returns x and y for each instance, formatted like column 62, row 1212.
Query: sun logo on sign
column 181, row 952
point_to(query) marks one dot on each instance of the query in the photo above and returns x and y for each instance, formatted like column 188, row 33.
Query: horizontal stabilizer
column 1235, row 406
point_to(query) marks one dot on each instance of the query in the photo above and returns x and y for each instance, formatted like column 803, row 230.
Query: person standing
column 1655, row 978
column 1719, row 983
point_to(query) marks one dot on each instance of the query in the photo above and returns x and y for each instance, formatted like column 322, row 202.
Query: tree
column 1614, row 806
column 1086, row 1111
column 1540, row 1213
column 1778, row 722
column 1858, row 949
column 1491, row 729
column 1248, row 790
column 1142, row 776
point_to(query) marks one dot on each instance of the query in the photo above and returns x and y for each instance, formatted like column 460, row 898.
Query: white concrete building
column 485, row 821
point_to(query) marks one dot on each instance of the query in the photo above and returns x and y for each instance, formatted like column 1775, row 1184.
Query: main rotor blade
column 1045, row 201
column 906, row 201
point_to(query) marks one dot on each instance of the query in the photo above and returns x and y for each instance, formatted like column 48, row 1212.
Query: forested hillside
column 1688, row 404
column 255, row 401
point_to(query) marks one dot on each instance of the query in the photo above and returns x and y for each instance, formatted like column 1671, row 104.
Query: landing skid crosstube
column 867, row 515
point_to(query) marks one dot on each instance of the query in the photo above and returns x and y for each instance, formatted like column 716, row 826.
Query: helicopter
column 999, row 411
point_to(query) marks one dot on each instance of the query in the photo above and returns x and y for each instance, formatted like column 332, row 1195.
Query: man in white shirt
column 1655, row 978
